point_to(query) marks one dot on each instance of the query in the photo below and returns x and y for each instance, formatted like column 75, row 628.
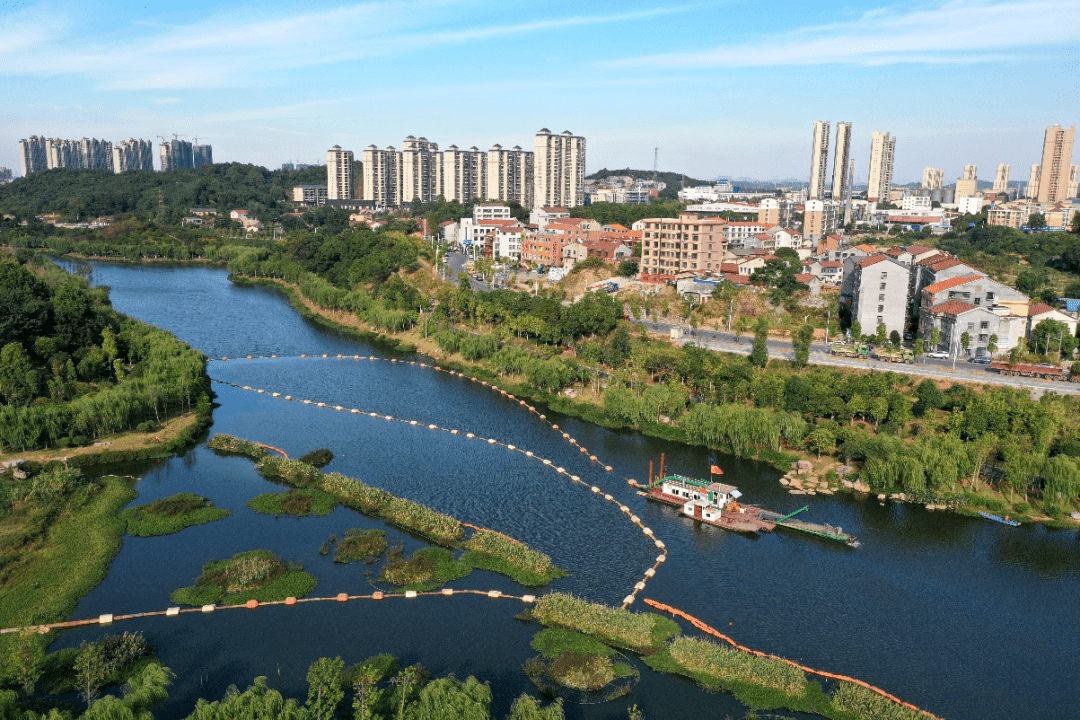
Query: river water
column 962, row 617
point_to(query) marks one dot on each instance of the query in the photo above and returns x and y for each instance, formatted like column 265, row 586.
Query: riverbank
column 964, row 497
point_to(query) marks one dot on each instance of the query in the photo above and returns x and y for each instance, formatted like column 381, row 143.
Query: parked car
column 939, row 354
column 982, row 360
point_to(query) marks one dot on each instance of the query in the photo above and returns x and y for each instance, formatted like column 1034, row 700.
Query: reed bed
column 422, row 520
column 428, row 568
column 169, row 515
column 358, row 544
column 553, row 642
column 253, row 575
column 229, row 444
column 298, row 503
column 487, row 550
column 290, row 472
column 854, row 702
column 641, row 632
column 725, row 666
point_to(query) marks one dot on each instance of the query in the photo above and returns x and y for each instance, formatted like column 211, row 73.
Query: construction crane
column 197, row 139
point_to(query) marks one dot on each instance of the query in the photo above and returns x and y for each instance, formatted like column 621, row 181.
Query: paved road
column 455, row 262
column 819, row 355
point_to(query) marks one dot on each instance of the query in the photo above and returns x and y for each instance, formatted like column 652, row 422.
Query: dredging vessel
column 717, row 503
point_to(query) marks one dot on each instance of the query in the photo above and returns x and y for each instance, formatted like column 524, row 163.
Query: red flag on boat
column 715, row 470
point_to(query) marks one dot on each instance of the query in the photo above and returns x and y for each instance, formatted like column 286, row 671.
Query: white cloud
column 952, row 32
column 167, row 100
column 227, row 50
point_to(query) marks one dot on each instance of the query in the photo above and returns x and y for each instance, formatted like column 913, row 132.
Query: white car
column 939, row 354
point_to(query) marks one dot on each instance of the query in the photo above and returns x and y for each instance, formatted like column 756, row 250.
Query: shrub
column 366, row 545
column 582, row 672
column 427, row 569
column 317, row 458
column 229, row 444
column 169, row 515
column 298, row 503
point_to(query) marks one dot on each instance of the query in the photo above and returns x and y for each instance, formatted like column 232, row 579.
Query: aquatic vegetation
column 427, row 569
column 642, row 632
column 487, row 550
column 253, row 575
column 298, row 503
column 229, row 444
column 859, row 703
column 359, row 544
column 169, row 515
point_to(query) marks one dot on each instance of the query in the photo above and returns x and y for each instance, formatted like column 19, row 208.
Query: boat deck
column 751, row 519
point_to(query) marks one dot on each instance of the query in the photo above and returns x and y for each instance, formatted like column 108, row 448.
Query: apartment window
column 971, row 326
column 881, row 318
column 880, row 308
column 881, row 298
column 984, row 325
column 881, row 287
column 989, row 297
column 884, row 275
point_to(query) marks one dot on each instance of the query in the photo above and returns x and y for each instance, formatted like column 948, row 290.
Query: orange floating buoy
column 290, row 600
column 342, row 597
column 251, row 604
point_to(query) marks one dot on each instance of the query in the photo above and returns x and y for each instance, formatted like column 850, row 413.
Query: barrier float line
column 108, row 619
column 649, row 573
column 709, row 630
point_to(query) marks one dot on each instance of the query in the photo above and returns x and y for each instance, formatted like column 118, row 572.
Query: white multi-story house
column 878, row 289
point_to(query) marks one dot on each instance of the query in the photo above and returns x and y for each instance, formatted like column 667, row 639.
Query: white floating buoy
column 511, row 447
column 639, row 586
column 469, row 435
column 528, row 598
column 650, row 573
column 413, row 422
column 208, row 608
column 628, row 600
column 410, row 593
column 447, row 591
column 492, row 441
column 354, row 411
column 275, row 394
column 529, row 453
column 453, row 432
column 546, row 461
column 661, row 558
column 595, row 489
column 608, row 497
column 433, row 427
column 494, row 594
column 339, row 408
column 172, row 611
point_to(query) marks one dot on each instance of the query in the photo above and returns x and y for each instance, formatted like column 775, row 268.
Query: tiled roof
column 805, row 278
column 952, row 307
column 918, row 249
column 1039, row 309
column 950, row 283
column 831, row 264
column 870, row 260
column 944, row 263
column 866, row 248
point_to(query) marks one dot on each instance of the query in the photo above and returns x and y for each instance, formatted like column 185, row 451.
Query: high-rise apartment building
column 464, row 174
column 382, row 176
column 841, row 180
column 176, row 155
column 558, row 170
column 133, row 155
column 1001, row 179
column 882, row 149
column 62, row 153
column 819, row 160
column 1056, row 164
column 339, row 171
column 510, row 175
column 95, row 154
column 968, row 186
column 1032, row 189
column 201, row 155
column 1074, row 182
column 933, row 178
column 421, row 170
column 32, row 155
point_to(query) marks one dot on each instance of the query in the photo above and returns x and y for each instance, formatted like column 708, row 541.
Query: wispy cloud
column 952, row 32
column 167, row 100
column 223, row 50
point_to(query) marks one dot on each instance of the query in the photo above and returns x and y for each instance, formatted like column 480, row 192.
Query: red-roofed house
column 953, row 318
column 832, row 272
column 1042, row 311
column 976, row 289
column 920, row 252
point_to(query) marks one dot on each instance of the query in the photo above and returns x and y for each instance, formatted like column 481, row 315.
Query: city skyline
column 265, row 87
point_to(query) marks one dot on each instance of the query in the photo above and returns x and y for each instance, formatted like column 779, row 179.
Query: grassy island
column 427, row 569
column 358, row 544
column 253, row 575
column 298, row 503
column 313, row 491
column 170, row 515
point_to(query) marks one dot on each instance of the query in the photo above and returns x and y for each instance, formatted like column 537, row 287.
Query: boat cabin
column 702, row 500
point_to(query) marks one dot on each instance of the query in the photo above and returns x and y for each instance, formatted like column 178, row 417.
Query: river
column 962, row 617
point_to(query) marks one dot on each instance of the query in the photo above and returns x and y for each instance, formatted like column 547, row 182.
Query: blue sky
column 722, row 88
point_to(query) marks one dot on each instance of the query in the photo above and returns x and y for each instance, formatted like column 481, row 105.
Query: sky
column 722, row 89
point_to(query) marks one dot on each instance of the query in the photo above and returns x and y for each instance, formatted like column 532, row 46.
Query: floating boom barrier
column 709, row 630
column 626, row 510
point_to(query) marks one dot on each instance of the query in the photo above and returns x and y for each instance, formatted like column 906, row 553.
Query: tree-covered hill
column 674, row 180
column 87, row 194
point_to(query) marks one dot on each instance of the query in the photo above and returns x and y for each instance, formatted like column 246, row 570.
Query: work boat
column 718, row 504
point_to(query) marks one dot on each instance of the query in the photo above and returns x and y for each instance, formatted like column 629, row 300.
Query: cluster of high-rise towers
column 39, row 153
column 552, row 174
column 882, row 149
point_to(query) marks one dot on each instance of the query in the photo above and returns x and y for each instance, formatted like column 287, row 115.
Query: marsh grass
column 253, row 575
column 640, row 632
column 582, row 671
column 54, row 552
column 427, row 569
column 235, row 446
column 169, row 515
column 854, row 702
column 553, row 642
column 359, row 544
column 487, row 550
column 298, row 503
